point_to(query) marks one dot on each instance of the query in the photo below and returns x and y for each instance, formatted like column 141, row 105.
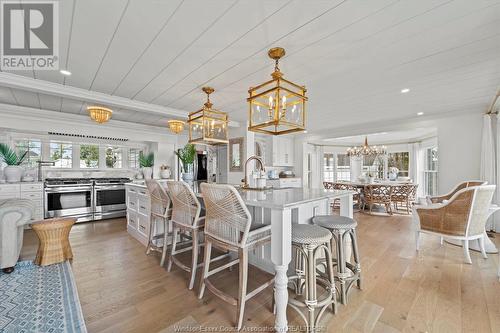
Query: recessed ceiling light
column 305, row 132
column 420, row 113
column 405, row 90
column 65, row 72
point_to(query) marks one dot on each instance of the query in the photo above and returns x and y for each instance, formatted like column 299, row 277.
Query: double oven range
column 86, row 199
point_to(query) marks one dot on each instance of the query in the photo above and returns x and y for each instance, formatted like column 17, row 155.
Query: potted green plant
column 13, row 171
column 186, row 156
column 146, row 162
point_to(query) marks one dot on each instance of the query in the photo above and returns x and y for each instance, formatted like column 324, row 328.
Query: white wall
column 459, row 144
column 248, row 150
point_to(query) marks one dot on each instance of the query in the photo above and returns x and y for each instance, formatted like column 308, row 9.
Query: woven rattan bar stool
column 54, row 244
column 309, row 242
column 229, row 227
column 347, row 273
column 161, row 212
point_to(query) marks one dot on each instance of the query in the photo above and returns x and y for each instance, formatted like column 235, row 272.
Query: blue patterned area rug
column 40, row 299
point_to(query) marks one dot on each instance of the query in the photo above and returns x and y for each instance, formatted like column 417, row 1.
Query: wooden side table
column 54, row 244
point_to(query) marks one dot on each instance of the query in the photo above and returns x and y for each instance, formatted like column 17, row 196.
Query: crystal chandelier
column 277, row 106
column 208, row 125
column 176, row 126
column 99, row 114
column 366, row 150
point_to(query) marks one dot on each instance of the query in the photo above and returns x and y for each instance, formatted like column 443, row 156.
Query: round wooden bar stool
column 347, row 272
column 310, row 242
column 54, row 244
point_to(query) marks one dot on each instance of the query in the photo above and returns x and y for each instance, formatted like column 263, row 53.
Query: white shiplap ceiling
column 353, row 56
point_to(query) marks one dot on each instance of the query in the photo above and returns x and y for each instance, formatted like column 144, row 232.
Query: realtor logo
column 30, row 35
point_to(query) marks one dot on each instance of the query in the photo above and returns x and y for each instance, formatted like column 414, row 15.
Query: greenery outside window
column 34, row 149
column 374, row 165
column 400, row 160
column 114, row 157
column 61, row 154
column 89, row 156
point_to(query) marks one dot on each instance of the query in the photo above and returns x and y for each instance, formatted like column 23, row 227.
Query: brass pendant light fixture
column 277, row 106
column 208, row 125
column 176, row 126
column 99, row 114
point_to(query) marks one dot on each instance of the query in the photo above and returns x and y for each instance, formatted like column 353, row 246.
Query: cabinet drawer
column 132, row 219
column 142, row 191
column 143, row 224
column 35, row 196
column 4, row 196
column 31, row 187
column 9, row 188
column 144, row 206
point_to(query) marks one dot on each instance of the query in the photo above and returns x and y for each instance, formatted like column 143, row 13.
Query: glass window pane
column 401, row 161
column 113, row 157
column 61, row 154
column 89, row 156
column 33, row 149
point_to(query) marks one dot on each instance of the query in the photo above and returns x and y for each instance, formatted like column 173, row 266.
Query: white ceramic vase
column 165, row 174
column 147, row 172
column 13, row 173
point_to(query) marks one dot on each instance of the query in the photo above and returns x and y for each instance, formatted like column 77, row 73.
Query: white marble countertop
column 288, row 197
column 17, row 183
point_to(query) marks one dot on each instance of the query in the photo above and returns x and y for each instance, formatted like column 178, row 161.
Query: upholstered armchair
column 462, row 185
column 462, row 217
column 14, row 215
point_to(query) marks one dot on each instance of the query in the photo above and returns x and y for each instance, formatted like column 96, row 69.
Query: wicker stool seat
column 310, row 234
column 335, row 222
column 54, row 244
column 309, row 243
column 340, row 228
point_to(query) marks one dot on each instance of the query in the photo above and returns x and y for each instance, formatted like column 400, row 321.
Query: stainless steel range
column 109, row 198
column 86, row 199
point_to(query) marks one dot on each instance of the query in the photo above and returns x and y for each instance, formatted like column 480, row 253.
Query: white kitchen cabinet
column 30, row 191
column 281, row 152
column 285, row 182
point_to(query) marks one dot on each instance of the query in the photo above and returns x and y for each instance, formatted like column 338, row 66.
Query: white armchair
column 462, row 217
column 14, row 215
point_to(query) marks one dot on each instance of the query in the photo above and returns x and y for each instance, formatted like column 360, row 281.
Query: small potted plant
column 165, row 171
column 186, row 155
column 13, row 171
column 146, row 162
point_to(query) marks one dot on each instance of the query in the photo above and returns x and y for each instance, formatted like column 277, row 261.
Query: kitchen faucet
column 259, row 162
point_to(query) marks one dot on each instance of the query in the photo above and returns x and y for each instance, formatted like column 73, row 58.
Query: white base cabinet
column 30, row 191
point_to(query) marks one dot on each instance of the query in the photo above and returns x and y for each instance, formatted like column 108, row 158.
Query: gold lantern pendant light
column 99, row 114
column 208, row 125
column 277, row 106
column 176, row 126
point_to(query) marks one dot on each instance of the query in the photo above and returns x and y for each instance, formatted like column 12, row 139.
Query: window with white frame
column 373, row 165
column 89, row 156
column 430, row 171
column 329, row 167
column 114, row 157
column 336, row 167
column 61, row 154
column 33, row 149
column 343, row 170
column 401, row 161
column 133, row 158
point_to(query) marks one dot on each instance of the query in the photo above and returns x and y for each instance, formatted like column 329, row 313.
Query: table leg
column 281, row 249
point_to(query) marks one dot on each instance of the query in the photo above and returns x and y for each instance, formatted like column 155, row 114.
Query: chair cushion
column 334, row 222
column 310, row 234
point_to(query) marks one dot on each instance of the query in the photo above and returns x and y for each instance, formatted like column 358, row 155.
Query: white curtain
column 488, row 163
column 416, row 167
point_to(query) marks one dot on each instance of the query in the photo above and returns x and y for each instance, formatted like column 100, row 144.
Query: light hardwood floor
column 123, row 290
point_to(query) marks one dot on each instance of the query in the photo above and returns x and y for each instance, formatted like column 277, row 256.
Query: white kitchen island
column 280, row 207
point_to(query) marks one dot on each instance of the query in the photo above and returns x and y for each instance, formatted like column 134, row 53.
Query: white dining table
column 287, row 206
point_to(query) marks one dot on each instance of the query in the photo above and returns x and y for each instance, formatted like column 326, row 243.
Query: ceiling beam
column 64, row 91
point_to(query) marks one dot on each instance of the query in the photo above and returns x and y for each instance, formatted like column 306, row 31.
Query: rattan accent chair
column 462, row 217
column 229, row 227
column 378, row 194
column 186, row 219
column 161, row 212
column 404, row 195
column 462, row 185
